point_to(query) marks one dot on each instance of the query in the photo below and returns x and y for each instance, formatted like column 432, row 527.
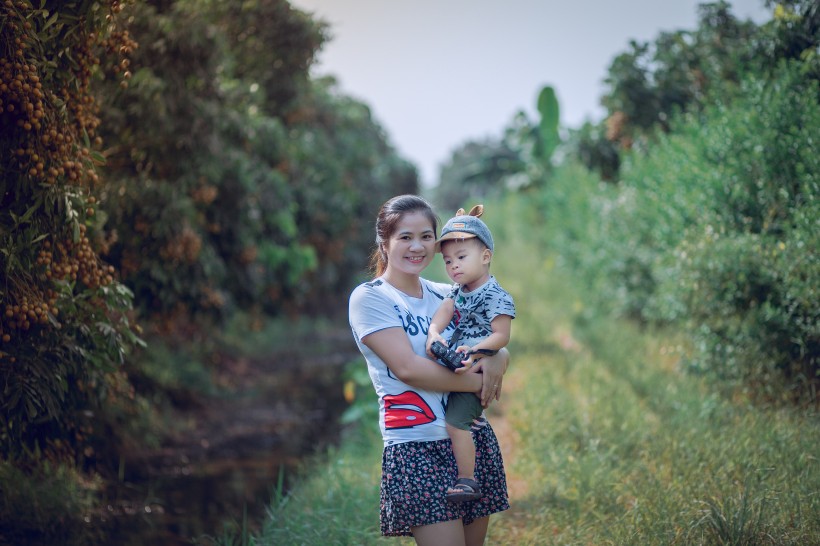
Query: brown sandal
column 467, row 490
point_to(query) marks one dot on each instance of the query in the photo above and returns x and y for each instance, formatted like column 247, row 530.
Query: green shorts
column 462, row 409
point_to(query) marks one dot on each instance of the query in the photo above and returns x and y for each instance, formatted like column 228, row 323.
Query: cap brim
column 453, row 235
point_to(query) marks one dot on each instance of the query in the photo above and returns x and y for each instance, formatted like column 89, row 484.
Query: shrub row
column 714, row 229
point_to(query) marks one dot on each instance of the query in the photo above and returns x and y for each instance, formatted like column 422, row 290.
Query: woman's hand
column 492, row 370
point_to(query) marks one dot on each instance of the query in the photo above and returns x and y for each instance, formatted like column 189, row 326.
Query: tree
column 475, row 171
column 521, row 158
column 65, row 326
column 238, row 182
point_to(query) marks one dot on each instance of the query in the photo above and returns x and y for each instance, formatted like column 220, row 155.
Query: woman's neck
column 409, row 284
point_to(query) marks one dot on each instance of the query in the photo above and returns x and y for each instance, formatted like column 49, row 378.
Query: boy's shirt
column 475, row 311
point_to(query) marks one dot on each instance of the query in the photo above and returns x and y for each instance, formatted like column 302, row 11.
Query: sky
column 437, row 73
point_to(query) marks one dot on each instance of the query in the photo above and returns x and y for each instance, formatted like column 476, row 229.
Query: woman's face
column 412, row 245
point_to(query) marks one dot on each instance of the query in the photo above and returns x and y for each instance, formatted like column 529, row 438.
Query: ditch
column 236, row 452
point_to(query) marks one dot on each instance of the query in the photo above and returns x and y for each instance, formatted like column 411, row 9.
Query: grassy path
column 627, row 450
column 607, row 441
column 517, row 483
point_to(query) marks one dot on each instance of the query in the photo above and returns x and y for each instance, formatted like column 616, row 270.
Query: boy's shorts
column 462, row 409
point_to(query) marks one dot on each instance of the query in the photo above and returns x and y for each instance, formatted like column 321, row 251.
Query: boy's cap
column 465, row 226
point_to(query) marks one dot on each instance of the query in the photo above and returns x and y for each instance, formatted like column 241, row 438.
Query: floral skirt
column 416, row 475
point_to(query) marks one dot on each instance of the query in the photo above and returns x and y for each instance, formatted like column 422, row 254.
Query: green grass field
column 605, row 441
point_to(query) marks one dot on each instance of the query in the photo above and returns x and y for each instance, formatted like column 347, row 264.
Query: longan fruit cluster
column 48, row 145
column 119, row 45
column 22, row 315
column 46, row 111
column 184, row 248
column 76, row 261
column 29, row 312
column 205, row 194
column 76, row 97
column 46, row 148
column 212, row 298
column 66, row 260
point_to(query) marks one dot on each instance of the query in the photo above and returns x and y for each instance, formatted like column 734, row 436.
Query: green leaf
column 51, row 20
column 28, row 214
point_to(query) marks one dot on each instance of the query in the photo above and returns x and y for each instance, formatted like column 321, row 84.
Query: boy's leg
column 464, row 451
column 462, row 410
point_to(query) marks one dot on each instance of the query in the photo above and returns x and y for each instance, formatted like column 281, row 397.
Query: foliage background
column 171, row 170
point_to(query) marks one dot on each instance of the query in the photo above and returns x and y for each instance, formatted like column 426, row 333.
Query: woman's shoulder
column 439, row 288
column 367, row 300
column 368, row 289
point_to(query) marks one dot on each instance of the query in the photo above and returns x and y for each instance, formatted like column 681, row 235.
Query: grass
column 606, row 441
column 52, row 504
column 623, row 451
column 336, row 501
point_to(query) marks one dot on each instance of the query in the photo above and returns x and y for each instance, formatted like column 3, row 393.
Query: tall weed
column 336, row 500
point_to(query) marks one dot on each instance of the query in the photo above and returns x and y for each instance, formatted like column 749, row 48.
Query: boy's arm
column 439, row 322
column 501, row 325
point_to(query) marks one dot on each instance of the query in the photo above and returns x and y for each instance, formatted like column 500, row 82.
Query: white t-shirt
column 406, row 414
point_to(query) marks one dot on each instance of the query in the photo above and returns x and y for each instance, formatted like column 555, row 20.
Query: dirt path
column 508, row 438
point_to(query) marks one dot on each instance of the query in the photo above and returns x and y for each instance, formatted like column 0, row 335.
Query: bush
column 236, row 174
column 714, row 229
column 745, row 272
column 752, row 311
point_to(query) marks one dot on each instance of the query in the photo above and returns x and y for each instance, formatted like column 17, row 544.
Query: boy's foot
column 464, row 490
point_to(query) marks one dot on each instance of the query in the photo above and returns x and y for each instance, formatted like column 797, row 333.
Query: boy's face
column 467, row 261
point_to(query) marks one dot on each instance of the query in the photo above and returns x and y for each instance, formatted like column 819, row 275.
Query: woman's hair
column 389, row 216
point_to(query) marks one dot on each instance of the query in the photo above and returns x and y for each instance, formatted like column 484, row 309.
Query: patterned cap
column 465, row 226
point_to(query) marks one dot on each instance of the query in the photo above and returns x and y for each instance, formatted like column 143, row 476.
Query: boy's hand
column 471, row 358
column 432, row 337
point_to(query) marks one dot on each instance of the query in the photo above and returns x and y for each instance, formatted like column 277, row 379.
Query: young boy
column 483, row 312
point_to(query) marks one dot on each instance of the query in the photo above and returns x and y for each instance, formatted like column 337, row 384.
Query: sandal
column 466, row 490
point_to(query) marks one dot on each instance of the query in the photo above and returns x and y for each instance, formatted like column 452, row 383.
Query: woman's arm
column 393, row 347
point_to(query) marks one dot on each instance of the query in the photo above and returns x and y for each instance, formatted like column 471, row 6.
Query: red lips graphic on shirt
column 405, row 410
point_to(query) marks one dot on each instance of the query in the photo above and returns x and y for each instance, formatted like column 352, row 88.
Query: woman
column 389, row 317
